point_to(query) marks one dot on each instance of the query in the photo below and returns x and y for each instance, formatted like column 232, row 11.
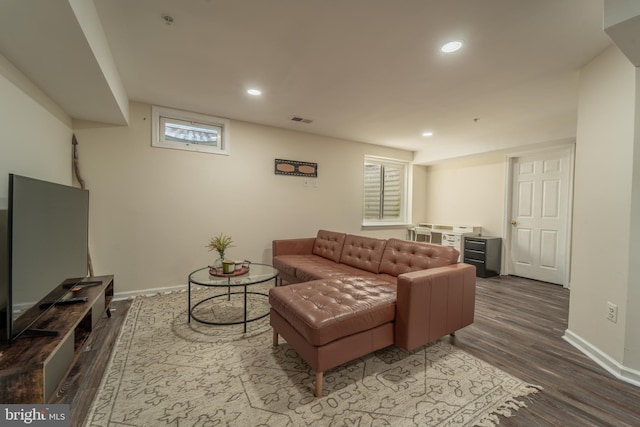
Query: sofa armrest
column 302, row 246
column 434, row 302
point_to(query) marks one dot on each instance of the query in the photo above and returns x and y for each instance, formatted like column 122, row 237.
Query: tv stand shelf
column 33, row 367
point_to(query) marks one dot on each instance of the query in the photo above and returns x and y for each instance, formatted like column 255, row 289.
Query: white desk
column 442, row 234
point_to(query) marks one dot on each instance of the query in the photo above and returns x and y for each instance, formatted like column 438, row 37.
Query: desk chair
column 411, row 234
column 426, row 233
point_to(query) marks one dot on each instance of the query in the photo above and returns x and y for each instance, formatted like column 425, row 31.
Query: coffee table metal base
column 228, row 295
column 255, row 275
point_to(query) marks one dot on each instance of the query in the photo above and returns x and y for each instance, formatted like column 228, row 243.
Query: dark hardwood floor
column 85, row 375
column 518, row 327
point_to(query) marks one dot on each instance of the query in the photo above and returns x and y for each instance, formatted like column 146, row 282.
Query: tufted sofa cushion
column 325, row 310
column 305, row 268
column 331, row 270
column 329, row 244
column 364, row 253
column 288, row 264
column 402, row 256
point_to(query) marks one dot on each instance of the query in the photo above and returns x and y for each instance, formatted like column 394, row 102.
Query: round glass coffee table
column 234, row 284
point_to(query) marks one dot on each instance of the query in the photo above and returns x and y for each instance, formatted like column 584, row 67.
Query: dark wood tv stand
column 32, row 368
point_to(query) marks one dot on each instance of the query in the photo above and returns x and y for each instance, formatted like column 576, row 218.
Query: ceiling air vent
column 300, row 119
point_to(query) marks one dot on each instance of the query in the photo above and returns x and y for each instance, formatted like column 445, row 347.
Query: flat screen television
column 47, row 228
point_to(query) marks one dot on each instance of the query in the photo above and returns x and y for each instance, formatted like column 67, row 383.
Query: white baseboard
column 148, row 292
column 612, row 366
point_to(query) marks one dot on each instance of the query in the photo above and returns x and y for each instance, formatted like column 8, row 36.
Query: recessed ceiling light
column 426, row 134
column 254, row 92
column 451, row 46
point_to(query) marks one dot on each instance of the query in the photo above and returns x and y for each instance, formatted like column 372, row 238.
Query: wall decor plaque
column 296, row 168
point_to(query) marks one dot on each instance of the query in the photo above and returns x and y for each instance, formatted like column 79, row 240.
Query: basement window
column 184, row 130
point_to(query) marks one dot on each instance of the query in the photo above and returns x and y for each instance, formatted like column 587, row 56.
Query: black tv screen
column 47, row 238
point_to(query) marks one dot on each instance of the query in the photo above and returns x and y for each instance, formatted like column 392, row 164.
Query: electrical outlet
column 612, row 312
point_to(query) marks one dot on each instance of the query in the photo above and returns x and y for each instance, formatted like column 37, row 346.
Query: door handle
column 514, row 222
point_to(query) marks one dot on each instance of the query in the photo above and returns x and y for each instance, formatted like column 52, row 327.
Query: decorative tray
column 217, row 272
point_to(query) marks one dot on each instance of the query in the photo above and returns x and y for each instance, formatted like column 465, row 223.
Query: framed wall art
column 296, row 168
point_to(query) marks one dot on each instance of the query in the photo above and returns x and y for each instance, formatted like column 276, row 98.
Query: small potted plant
column 220, row 244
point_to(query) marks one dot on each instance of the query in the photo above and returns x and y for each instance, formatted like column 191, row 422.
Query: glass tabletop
column 257, row 273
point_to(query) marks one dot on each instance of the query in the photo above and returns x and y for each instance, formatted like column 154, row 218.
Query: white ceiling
column 363, row 70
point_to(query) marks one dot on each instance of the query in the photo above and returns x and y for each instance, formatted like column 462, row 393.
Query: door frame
column 568, row 148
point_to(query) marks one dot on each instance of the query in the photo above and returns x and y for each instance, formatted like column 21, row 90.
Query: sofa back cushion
column 329, row 244
column 364, row 253
column 404, row 256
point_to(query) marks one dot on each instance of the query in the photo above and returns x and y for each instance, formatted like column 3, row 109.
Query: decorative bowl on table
column 240, row 268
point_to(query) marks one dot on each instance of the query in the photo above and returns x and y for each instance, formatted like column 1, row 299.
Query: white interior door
column 539, row 222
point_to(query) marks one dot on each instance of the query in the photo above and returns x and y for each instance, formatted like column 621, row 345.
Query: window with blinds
column 384, row 191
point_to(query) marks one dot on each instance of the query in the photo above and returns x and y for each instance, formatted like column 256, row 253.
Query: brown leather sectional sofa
column 349, row 295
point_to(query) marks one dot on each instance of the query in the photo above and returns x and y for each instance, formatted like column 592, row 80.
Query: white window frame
column 405, row 203
column 162, row 115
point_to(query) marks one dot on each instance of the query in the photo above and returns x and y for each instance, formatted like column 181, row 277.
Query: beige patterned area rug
column 165, row 371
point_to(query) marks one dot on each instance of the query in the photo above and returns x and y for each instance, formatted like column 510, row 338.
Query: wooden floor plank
column 518, row 328
column 83, row 381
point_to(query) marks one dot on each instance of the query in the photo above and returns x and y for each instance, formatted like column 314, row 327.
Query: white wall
column 153, row 210
column 89, row 21
column 469, row 192
column 420, row 193
column 632, row 341
column 600, row 263
column 36, row 133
